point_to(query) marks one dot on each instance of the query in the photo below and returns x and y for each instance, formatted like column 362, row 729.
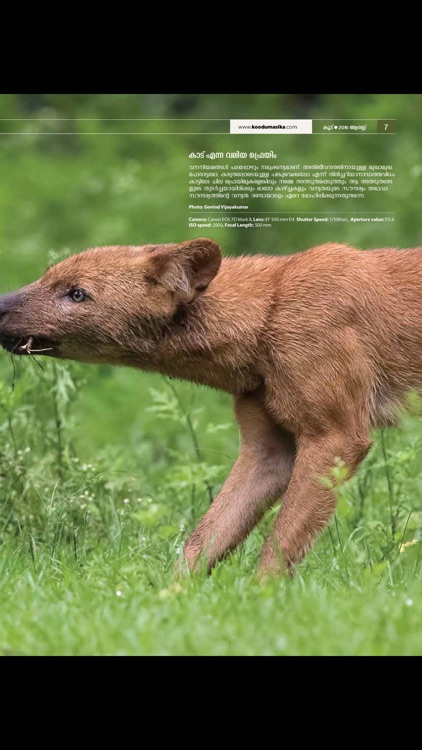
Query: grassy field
column 88, row 548
column 100, row 476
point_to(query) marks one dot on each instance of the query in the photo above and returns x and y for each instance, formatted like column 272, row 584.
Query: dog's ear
column 186, row 269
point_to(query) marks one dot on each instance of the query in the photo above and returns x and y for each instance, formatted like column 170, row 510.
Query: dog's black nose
column 6, row 301
column 10, row 303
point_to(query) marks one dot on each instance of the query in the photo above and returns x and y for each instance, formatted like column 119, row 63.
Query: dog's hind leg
column 259, row 477
column 309, row 503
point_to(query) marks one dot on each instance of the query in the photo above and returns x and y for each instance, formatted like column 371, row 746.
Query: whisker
column 36, row 361
column 14, row 372
column 37, row 351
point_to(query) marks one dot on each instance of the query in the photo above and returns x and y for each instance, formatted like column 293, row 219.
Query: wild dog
column 316, row 348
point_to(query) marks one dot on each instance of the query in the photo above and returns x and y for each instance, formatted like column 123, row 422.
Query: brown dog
column 316, row 348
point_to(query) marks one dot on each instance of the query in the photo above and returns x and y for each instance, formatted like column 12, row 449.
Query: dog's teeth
column 28, row 346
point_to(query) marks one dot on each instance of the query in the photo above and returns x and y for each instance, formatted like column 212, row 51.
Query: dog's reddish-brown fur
column 316, row 348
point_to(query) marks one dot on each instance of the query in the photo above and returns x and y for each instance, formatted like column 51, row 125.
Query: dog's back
column 348, row 321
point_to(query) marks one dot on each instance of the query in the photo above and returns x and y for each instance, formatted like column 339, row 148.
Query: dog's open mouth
column 28, row 345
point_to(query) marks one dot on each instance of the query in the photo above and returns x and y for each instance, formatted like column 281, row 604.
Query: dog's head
column 93, row 306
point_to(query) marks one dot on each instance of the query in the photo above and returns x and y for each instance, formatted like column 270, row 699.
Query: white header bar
column 272, row 127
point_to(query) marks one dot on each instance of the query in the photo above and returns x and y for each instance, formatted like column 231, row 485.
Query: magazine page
column 210, row 440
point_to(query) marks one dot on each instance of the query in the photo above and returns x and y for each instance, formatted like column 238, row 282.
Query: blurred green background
column 100, row 475
column 89, row 184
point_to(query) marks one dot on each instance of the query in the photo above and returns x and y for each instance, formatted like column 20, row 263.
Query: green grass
column 88, row 549
column 121, row 603
column 100, row 477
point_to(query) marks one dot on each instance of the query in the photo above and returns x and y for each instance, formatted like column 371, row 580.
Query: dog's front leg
column 308, row 503
column 258, row 478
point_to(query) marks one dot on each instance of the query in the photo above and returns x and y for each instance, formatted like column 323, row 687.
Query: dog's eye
column 77, row 295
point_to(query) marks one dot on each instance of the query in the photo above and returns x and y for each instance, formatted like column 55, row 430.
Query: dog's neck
column 216, row 340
